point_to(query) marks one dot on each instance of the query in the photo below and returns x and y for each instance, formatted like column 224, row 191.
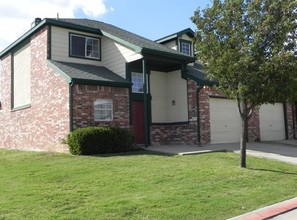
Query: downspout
column 70, row 106
column 199, row 87
column 146, row 138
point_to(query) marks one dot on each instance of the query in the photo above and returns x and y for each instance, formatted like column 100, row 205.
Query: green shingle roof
column 139, row 44
column 88, row 74
column 196, row 73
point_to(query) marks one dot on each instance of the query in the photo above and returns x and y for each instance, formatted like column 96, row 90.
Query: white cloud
column 16, row 16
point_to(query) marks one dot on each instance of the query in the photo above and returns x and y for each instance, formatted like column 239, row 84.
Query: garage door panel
column 272, row 125
column 225, row 122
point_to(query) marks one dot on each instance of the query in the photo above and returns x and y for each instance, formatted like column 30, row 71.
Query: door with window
column 137, row 107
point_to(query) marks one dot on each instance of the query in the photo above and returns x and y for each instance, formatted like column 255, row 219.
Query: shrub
column 99, row 140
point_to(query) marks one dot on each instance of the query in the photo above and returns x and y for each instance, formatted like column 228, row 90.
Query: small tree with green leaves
column 248, row 47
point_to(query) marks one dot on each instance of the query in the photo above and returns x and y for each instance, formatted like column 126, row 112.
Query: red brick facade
column 44, row 124
column 83, row 105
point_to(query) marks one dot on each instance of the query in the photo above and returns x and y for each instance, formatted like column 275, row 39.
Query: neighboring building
column 69, row 73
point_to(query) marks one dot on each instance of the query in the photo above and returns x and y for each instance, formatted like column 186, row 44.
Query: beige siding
column 158, row 92
column 115, row 56
column 21, row 77
column 166, row 87
column 171, row 44
column 60, row 46
column 186, row 37
column 177, row 91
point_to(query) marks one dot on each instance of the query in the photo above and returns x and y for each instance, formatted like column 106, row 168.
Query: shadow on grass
column 273, row 171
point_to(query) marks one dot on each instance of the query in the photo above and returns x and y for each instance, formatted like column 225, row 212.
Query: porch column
column 146, row 138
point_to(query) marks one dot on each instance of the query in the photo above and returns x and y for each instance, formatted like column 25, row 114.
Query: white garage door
column 225, row 122
column 272, row 125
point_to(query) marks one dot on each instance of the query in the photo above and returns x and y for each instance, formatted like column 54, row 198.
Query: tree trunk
column 244, row 134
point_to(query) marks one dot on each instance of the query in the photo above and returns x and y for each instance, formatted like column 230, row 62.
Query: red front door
column 138, row 121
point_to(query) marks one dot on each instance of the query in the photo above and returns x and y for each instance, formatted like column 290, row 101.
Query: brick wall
column 83, row 105
column 290, row 120
column 254, row 127
column 44, row 124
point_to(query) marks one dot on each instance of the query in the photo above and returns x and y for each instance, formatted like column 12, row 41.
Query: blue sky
column 152, row 19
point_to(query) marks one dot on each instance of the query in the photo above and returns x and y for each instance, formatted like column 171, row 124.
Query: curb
column 269, row 211
column 200, row 152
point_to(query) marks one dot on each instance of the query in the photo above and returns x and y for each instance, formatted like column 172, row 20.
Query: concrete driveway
column 285, row 151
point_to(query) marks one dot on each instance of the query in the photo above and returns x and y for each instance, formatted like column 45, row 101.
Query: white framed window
column 84, row 47
column 137, row 80
column 186, row 48
column 103, row 110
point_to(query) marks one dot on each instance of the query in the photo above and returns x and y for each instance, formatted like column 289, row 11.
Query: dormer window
column 84, row 47
column 185, row 47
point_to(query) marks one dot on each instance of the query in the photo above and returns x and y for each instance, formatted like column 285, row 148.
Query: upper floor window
column 185, row 47
column 137, row 80
column 84, row 46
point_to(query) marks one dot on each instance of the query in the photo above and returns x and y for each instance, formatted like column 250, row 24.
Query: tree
column 248, row 47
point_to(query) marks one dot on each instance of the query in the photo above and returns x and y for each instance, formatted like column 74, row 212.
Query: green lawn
column 141, row 185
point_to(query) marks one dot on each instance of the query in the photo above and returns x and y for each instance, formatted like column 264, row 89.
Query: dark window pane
column 77, row 46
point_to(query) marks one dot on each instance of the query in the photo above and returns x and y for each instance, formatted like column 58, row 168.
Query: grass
column 140, row 185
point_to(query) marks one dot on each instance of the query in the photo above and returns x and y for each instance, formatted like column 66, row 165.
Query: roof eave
column 181, row 57
column 199, row 81
column 22, row 38
column 101, row 83
column 187, row 31
column 165, row 39
column 63, row 24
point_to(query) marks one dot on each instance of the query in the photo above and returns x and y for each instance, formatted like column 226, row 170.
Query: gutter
column 70, row 106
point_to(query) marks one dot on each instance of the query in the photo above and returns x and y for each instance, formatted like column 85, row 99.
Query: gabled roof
column 170, row 37
column 87, row 74
column 134, row 41
column 137, row 43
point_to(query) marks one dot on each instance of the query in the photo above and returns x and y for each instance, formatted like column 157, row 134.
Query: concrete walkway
column 285, row 151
